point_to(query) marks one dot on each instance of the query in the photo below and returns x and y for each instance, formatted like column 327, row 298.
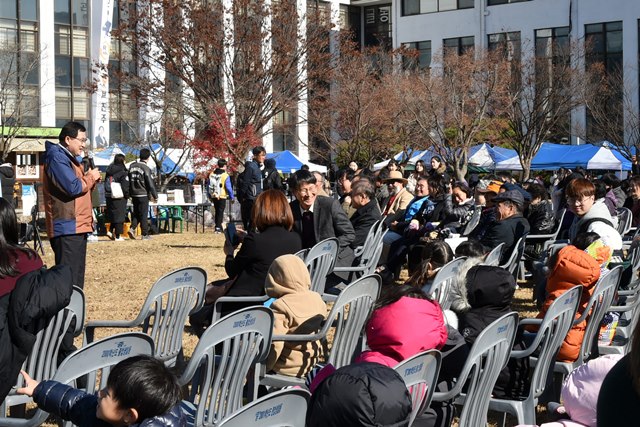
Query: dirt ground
column 120, row 274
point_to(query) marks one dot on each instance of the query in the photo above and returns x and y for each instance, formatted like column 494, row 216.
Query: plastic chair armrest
column 217, row 307
column 90, row 327
column 350, row 269
column 358, row 251
column 298, row 337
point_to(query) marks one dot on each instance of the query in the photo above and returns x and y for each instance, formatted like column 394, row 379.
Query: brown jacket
column 400, row 203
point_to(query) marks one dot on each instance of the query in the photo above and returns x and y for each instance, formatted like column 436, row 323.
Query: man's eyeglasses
column 83, row 140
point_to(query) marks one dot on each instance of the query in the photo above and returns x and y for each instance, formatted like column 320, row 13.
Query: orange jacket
column 573, row 267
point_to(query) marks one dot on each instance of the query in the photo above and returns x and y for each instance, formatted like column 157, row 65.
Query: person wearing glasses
column 67, row 198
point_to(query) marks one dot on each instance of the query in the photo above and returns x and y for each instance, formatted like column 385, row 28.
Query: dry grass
column 120, row 274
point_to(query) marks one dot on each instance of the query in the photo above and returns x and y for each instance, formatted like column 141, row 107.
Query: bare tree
column 244, row 61
column 353, row 111
column 19, row 89
column 542, row 93
column 451, row 104
column 612, row 111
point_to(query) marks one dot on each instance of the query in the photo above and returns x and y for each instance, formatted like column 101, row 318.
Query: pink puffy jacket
column 403, row 329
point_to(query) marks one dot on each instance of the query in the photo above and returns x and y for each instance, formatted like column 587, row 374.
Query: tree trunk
column 525, row 161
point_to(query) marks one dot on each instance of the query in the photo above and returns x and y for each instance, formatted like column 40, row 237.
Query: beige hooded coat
column 297, row 310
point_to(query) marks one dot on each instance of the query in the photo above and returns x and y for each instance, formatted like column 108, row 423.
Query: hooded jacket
column 489, row 294
column 297, row 310
column 80, row 407
column 361, row 394
column 392, row 339
column 7, row 180
column 38, row 296
column 607, row 233
column 67, row 193
column 573, row 267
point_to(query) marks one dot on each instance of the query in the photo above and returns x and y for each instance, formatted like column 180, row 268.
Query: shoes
column 92, row 238
column 217, row 230
column 146, row 237
column 132, row 236
column 119, row 239
column 110, row 235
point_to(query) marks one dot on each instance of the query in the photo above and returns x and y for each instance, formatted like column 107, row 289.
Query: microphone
column 92, row 165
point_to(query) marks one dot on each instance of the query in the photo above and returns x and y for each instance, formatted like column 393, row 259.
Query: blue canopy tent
column 288, row 162
column 105, row 157
column 401, row 157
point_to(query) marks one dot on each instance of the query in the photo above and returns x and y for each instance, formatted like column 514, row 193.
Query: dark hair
column 145, row 153
column 471, row 248
column 271, row 208
column 504, row 174
column 347, row 174
column 258, row 150
column 393, row 162
column 119, row 159
column 70, row 130
column 382, row 174
column 463, row 187
column 392, row 293
column 537, row 191
column 301, row 177
column 145, row 384
column 436, row 253
column 222, row 163
column 436, row 186
column 421, row 162
column 437, row 158
column 583, row 240
column 9, row 237
column 601, row 188
column 611, row 180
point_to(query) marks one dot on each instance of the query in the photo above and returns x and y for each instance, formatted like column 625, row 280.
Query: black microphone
column 92, row 165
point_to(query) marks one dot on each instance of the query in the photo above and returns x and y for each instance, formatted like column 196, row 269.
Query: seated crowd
column 431, row 220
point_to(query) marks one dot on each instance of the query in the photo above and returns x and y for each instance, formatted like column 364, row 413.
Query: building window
column 506, row 43
column 457, row 45
column 377, row 26
column 19, row 62
column 285, row 135
column 73, row 72
column 27, row 166
column 417, row 7
column 421, row 58
column 604, row 42
column 497, row 2
column 552, row 42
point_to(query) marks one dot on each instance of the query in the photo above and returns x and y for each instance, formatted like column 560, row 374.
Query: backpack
column 216, row 185
column 239, row 183
column 585, row 225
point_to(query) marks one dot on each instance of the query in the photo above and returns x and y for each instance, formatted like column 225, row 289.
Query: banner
column 100, row 47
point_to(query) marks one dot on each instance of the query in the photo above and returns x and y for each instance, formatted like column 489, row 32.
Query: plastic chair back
column 42, row 362
column 320, row 261
column 551, row 334
column 493, row 257
column 77, row 305
column 284, row 408
column 349, row 314
column 221, row 361
column 473, row 221
column 488, row 355
column 514, row 259
column 599, row 303
column 370, row 252
column 625, row 220
column 420, row 374
column 442, row 282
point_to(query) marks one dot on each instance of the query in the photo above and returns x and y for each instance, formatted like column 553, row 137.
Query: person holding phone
column 247, row 269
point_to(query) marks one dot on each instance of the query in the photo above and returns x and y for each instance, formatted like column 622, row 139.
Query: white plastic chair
column 222, row 360
column 488, row 355
column 553, row 329
column 367, row 255
column 625, row 220
column 284, row 408
column 42, row 362
column 445, row 277
column 493, row 257
column 420, row 374
column 513, row 262
column 321, row 260
column 164, row 312
column 348, row 316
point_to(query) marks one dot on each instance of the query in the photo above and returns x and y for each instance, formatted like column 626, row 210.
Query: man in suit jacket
column 317, row 218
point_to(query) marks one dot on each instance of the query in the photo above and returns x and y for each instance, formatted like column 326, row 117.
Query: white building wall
column 47, row 64
column 525, row 17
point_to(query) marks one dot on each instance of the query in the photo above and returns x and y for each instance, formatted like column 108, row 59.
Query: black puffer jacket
column 116, row 173
column 80, row 407
column 489, row 294
column 37, row 297
column 541, row 218
column 363, row 394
